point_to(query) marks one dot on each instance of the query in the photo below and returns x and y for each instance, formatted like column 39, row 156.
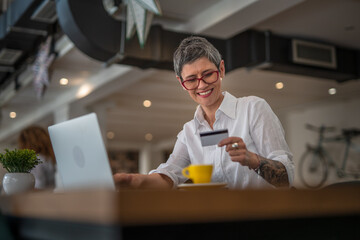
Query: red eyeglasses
column 194, row 83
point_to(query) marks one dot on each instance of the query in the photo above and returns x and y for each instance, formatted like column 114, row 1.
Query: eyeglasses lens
column 207, row 78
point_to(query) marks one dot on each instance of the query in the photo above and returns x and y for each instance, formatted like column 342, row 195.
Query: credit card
column 213, row 137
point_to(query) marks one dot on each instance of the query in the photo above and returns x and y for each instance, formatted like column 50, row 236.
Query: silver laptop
column 81, row 157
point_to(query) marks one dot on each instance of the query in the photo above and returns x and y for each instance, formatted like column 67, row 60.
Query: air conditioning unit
column 313, row 54
column 9, row 56
column 46, row 12
column 268, row 51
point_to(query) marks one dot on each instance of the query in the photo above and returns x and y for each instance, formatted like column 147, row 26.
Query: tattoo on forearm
column 274, row 172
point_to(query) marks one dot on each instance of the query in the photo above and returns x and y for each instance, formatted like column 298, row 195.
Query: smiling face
column 207, row 95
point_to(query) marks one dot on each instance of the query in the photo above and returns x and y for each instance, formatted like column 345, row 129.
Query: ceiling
column 118, row 91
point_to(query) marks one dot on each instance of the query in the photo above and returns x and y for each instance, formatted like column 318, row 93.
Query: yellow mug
column 198, row 173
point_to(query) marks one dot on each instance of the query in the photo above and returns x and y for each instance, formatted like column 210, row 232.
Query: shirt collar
column 227, row 106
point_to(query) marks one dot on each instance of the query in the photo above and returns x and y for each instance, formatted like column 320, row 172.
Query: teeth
column 204, row 93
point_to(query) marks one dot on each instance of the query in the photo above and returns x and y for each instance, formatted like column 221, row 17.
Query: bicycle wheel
column 313, row 169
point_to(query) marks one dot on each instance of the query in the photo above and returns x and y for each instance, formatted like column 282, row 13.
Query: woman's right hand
column 137, row 181
column 127, row 180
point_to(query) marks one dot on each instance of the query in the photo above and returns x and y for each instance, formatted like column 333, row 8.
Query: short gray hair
column 193, row 48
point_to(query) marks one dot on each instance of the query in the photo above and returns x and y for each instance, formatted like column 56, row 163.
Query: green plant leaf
column 22, row 160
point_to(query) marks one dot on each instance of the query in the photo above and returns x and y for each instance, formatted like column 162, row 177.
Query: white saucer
column 191, row 186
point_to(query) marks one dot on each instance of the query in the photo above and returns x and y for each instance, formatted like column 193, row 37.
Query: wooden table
column 172, row 214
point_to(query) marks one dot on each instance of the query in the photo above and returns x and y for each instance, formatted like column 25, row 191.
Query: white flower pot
column 18, row 182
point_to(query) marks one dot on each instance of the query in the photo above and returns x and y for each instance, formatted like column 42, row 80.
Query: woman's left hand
column 238, row 152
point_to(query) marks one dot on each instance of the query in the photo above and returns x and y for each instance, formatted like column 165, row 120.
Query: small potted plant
column 18, row 163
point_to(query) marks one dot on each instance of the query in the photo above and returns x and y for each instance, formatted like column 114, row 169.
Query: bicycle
column 315, row 161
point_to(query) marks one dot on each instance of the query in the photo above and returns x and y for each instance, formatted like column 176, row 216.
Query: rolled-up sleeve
column 269, row 136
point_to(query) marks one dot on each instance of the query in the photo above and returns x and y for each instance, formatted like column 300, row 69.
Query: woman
column 256, row 155
column 37, row 139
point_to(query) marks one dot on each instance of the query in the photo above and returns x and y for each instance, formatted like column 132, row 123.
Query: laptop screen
column 81, row 157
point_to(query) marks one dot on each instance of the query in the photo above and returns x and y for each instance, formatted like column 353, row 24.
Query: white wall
column 345, row 114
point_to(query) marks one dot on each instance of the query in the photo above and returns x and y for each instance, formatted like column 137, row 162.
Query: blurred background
column 302, row 56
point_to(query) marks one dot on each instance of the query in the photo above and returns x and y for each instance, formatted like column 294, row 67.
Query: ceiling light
column 12, row 115
column 147, row 103
column 64, row 81
column 148, row 137
column 332, row 91
column 84, row 90
column 110, row 135
column 279, row 85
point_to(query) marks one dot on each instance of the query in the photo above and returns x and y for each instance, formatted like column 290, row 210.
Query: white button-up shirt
column 250, row 118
